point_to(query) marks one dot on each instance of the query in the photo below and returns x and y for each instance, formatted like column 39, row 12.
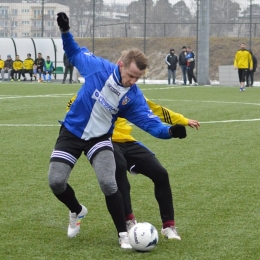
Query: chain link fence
column 126, row 19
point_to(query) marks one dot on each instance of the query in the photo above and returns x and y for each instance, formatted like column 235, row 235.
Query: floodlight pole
column 203, row 43
column 93, row 30
column 42, row 17
column 250, row 26
column 145, row 2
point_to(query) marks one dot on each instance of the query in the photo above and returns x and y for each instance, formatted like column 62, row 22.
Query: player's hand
column 193, row 124
column 63, row 22
column 178, row 131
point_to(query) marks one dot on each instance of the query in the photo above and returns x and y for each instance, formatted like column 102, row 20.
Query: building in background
column 25, row 19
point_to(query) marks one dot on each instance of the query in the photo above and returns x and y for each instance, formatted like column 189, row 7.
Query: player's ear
column 120, row 63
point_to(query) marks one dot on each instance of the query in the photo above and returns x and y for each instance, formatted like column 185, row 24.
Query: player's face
column 243, row 46
column 130, row 75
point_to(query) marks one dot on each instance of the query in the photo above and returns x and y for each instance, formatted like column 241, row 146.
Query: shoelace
column 174, row 230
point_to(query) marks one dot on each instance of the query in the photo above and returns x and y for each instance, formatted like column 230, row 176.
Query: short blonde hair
column 136, row 56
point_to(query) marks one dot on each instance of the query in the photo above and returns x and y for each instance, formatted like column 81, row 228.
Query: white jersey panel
column 105, row 107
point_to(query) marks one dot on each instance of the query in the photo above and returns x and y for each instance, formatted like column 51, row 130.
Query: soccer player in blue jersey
column 109, row 91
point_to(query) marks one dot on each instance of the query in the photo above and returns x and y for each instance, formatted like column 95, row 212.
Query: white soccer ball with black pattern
column 143, row 237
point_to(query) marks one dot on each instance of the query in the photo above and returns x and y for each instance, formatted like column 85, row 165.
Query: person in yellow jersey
column 2, row 64
column 17, row 68
column 242, row 62
column 28, row 66
column 133, row 156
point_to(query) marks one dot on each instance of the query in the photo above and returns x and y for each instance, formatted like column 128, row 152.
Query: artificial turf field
column 214, row 176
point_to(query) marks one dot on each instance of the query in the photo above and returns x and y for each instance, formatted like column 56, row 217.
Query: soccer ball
column 143, row 237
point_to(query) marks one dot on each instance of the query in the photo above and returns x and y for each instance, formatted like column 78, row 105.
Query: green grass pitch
column 214, row 176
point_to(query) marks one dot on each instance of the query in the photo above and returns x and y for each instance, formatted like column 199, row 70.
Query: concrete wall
column 228, row 75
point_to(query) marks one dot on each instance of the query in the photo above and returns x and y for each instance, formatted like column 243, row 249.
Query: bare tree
column 222, row 13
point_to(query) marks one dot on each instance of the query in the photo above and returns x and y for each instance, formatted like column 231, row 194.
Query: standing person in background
column 47, row 69
column 250, row 73
column 38, row 66
column 2, row 64
column 68, row 68
column 242, row 62
column 17, row 68
column 171, row 60
column 8, row 67
column 183, row 64
column 190, row 66
column 28, row 66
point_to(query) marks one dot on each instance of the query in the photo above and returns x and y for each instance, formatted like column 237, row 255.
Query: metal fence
column 126, row 18
column 145, row 19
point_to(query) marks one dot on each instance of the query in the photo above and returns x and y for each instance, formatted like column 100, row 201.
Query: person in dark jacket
column 68, row 68
column 38, row 66
column 250, row 73
column 190, row 66
column 183, row 64
column 8, row 67
column 171, row 60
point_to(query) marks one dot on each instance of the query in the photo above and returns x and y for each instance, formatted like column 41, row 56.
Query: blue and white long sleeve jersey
column 102, row 98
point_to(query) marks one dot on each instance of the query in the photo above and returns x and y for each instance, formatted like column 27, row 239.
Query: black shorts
column 242, row 74
column 133, row 152
column 68, row 147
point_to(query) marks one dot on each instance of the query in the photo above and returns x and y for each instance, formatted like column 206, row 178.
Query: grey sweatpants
column 104, row 167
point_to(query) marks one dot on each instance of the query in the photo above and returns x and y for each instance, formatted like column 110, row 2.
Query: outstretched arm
column 193, row 123
column 170, row 117
column 81, row 58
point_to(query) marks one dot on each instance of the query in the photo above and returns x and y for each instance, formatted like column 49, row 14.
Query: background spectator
column 243, row 62
column 183, row 64
column 2, row 64
column 8, row 67
column 190, row 66
column 68, row 68
column 38, row 66
column 28, row 66
column 17, row 68
column 250, row 73
column 171, row 60
column 47, row 69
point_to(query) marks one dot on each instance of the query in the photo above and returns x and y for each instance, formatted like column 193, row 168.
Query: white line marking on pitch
column 208, row 122
column 38, row 96
column 231, row 121
column 208, row 101
column 169, row 100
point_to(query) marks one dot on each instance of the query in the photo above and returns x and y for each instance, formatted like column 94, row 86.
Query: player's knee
column 58, row 176
column 108, row 187
column 161, row 176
